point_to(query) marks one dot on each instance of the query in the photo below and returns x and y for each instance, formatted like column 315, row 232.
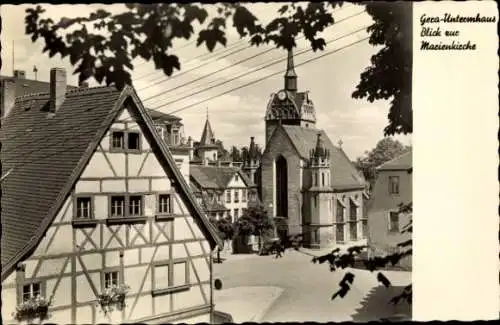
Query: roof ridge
column 72, row 91
column 395, row 158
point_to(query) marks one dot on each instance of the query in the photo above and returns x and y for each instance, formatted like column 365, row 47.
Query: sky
column 235, row 114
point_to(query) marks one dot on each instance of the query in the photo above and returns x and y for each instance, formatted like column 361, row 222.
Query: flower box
column 33, row 308
column 113, row 298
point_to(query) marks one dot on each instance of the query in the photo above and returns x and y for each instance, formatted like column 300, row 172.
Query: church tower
column 289, row 106
column 251, row 163
column 207, row 148
column 319, row 232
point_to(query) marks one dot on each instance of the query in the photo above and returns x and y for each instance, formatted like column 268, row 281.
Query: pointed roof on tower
column 252, row 150
column 290, row 75
column 207, row 136
column 290, row 66
column 319, row 151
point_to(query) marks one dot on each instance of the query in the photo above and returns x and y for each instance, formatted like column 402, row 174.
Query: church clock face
column 282, row 95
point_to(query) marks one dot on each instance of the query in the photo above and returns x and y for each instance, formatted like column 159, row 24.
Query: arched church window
column 322, row 179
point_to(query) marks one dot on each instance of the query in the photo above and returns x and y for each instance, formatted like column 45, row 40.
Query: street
column 307, row 289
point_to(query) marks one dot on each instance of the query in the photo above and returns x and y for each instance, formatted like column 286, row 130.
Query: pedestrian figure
column 280, row 248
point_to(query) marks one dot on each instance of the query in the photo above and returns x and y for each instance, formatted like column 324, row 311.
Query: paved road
column 308, row 288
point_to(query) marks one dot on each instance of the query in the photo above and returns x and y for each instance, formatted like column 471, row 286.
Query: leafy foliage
column 33, row 308
column 225, row 227
column 341, row 260
column 259, row 218
column 390, row 73
column 244, row 226
column 148, row 31
column 112, row 298
column 385, row 150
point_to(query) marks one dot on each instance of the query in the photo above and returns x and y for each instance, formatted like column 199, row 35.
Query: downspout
column 212, row 285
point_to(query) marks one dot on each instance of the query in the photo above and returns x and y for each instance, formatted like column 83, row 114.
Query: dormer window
column 133, row 141
column 117, row 140
column 125, row 141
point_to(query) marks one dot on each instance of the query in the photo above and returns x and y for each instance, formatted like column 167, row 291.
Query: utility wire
column 229, row 66
column 184, row 108
column 250, row 72
column 263, row 78
column 97, row 120
column 201, row 56
column 222, row 50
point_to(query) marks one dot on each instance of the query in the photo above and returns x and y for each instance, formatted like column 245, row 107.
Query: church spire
column 207, row 137
column 290, row 75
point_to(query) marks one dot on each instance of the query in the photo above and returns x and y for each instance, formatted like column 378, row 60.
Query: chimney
column 57, row 88
column 7, row 96
column 19, row 74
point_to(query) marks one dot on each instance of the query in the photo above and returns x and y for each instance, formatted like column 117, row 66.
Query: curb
column 257, row 318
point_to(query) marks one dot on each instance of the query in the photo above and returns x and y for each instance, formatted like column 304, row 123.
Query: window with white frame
column 171, row 274
column 83, row 208
column 236, row 196
column 32, row 290
column 118, row 206
column 180, row 274
column 393, row 184
column 135, row 205
column 161, row 132
column 111, row 279
column 243, row 195
column 228, row 196
column 393, row 222
column 236, row 213
column 118, row 140
column 165, row 203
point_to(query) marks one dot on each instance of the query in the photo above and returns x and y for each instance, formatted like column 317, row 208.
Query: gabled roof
column 207, row 135
column 157, row 115
column 215, row 177
column 343, row 173
column 47, row 153
column 401, row 162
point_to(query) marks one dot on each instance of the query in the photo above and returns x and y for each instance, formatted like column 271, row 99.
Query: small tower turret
column 319, row 161
column 251, row 163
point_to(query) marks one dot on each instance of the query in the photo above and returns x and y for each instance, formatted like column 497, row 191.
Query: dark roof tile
column 344, row 174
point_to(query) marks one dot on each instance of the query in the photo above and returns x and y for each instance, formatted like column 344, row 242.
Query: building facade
column 304, row 178
column 223, row 191
column 392, row 188
column 86, row 209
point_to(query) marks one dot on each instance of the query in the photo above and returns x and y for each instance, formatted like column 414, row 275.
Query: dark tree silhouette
column 261, row 222
column 389, row 77
column 148, row 31
column 385, row 150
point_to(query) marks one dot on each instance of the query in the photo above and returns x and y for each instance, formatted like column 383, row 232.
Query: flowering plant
column 32, row 308
column 113, row 297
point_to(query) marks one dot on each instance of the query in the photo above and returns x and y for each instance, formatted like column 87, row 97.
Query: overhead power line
column 252, row 71
column 17, row 166
column 264, row 78
column 51, row 136
column 225, row 68
column 219, row 51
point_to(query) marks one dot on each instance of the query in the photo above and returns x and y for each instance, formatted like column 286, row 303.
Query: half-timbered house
column 93, row 201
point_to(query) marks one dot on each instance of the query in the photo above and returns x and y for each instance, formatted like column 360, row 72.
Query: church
column 303, row 178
